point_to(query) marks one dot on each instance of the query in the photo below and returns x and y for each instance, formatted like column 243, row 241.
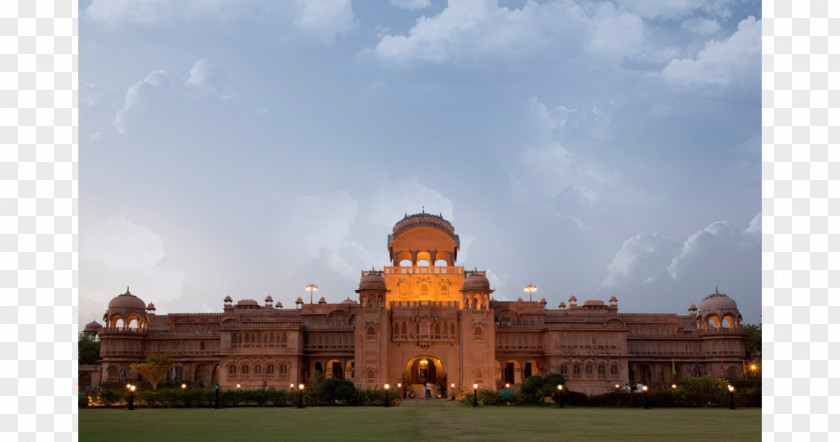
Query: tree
column 88, row 349
column 155, row 367
column 753, row 342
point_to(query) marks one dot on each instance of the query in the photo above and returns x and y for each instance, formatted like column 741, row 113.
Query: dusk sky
column 249, row 147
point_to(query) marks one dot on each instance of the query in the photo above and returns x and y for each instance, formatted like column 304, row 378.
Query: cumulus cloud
column 414, row 5
column 641, row 257
column 474, row 28
column 205, row 80
column 122, row 252
column 717, row 238
column 721, row 63
column 319, row 20
column 616, row 33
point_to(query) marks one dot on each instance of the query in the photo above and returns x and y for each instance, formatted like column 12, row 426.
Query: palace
column 422, row 319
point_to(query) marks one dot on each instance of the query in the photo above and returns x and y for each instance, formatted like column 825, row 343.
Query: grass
column 419, row 420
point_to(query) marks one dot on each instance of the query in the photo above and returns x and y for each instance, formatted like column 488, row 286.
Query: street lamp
column 453, row 391
column 645, row 389
column 311, row 288
column 238, row 386
column 387, row 387
column 475, row 395
column 674, row 386
column 291, row 387
column 216, row 404
column 530, row 288
column 183, row 386
column 560, row 395
column 731, row 397
column 300, row 397
column 617, row 386
column 507, row 385
column 131, row 398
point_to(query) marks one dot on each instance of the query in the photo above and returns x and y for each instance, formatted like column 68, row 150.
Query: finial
column 424, row 209
column 716, row 290
column 127, row 291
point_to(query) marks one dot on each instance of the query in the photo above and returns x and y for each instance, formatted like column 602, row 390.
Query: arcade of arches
column 417, row 320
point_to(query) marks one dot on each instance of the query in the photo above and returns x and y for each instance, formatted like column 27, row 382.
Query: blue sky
column 248, row 147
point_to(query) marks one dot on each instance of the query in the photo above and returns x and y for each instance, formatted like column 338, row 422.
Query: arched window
column 424, row 290
column 132, row 325
column 282, row 369
column 588, row 369
column 257, row 369
column 283, row 340
column 478, row 376
column 564, row 369
column 479, row 334
column 403, row 330
column 437, row 330
column 576, row 369
column 452, row 329
column 269, row 369
column 405, row 263
column 201, row 345
column 444, row 290
column 371, row 375
column 370, row 334
column 712, row 324
column 403, row 291
column 602, row 370
column 271, row 338
column 247, row 338
column 614, row 370
column 245, row 369
column 724, row 323
column 232, row 370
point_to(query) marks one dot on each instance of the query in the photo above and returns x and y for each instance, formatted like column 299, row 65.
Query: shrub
column 324, row 393
column 83, row 400
column 345, row 394
column 705, row 391
column 531, row 389
column 489, row 397
column 110, row 397
column 575, row 398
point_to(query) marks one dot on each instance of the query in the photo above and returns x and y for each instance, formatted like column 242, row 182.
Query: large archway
column 424, row 369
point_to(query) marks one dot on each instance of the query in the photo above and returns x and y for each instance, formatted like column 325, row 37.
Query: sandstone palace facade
column 416, row 321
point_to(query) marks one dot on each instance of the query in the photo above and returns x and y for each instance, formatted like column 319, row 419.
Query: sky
column 250, row 147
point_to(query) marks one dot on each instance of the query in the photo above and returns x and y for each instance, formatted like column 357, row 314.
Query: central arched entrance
column 424, row 369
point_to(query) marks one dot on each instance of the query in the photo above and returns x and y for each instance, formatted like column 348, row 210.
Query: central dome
column 423, row 236
column 126, row 301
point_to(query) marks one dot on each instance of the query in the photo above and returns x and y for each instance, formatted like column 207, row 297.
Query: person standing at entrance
column 428, row 388
column 425, row 393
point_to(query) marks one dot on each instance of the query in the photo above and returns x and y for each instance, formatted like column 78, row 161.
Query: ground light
column 216, row 404
column 291, row 387
column 183, row 386
column 560, row 395
column 387, row 387
column 131, row 398
column 475, row 395
column 674, row 386
column 645, row 390
column 731, row 397
column 453, row 392
column 300, row 397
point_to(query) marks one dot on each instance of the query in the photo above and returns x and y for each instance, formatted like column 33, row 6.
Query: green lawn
column 416, row 420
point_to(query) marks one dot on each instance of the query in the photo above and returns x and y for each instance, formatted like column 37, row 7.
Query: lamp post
column 216, row 404
column 530, row 288
column 453, row 391
column 291, row 387
column 731, row 397
column 311, row 288
column 645, row 389
column 560, row 395
column 300, row 397
column 131, row 398
column 753, row 367
column 475, row 395
column 387, row 387
column 183, row 386
column 507, row 385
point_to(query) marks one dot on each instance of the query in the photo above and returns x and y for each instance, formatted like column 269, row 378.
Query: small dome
column 269, row 299
column 151, row 307
column 543, row 301
column 348, row 301
column 572, row 299
column 519, row 299
column 372, row 280
column 692, row 307
column 126, row 302
column 716, row 302
column 278, row 305
column 92, row 327
column 613, row 299
column 562, row 305
column 476, row 281
column 228, row 299
column 244, row 302
column 322, row 300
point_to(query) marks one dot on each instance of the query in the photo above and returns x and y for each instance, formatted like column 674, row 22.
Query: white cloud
column 616, row 33
column 205, row 80
column 675, row 9
column 414, row 5
column 397, row 197
column 716, row 240
column 318, row 20
column 700, row 25
column 641, row 258
column 474, row 28
column 721, row 63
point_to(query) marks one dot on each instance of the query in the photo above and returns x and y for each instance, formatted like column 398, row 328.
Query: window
column 232, row 370
column 371, row 375
column 424, row 290
column 245, row 369
column 444, row 291
column 614, row 370
column 283, row 340
column 282, row 369
column 576, row 369
column 437, row 330
column 479, row 334
column 403, row 329
column 452, row 329
column 564, row 369
column 269, row 369
column 370, row 334
column 602, row 370
column 588, row 369
column 257, row 369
